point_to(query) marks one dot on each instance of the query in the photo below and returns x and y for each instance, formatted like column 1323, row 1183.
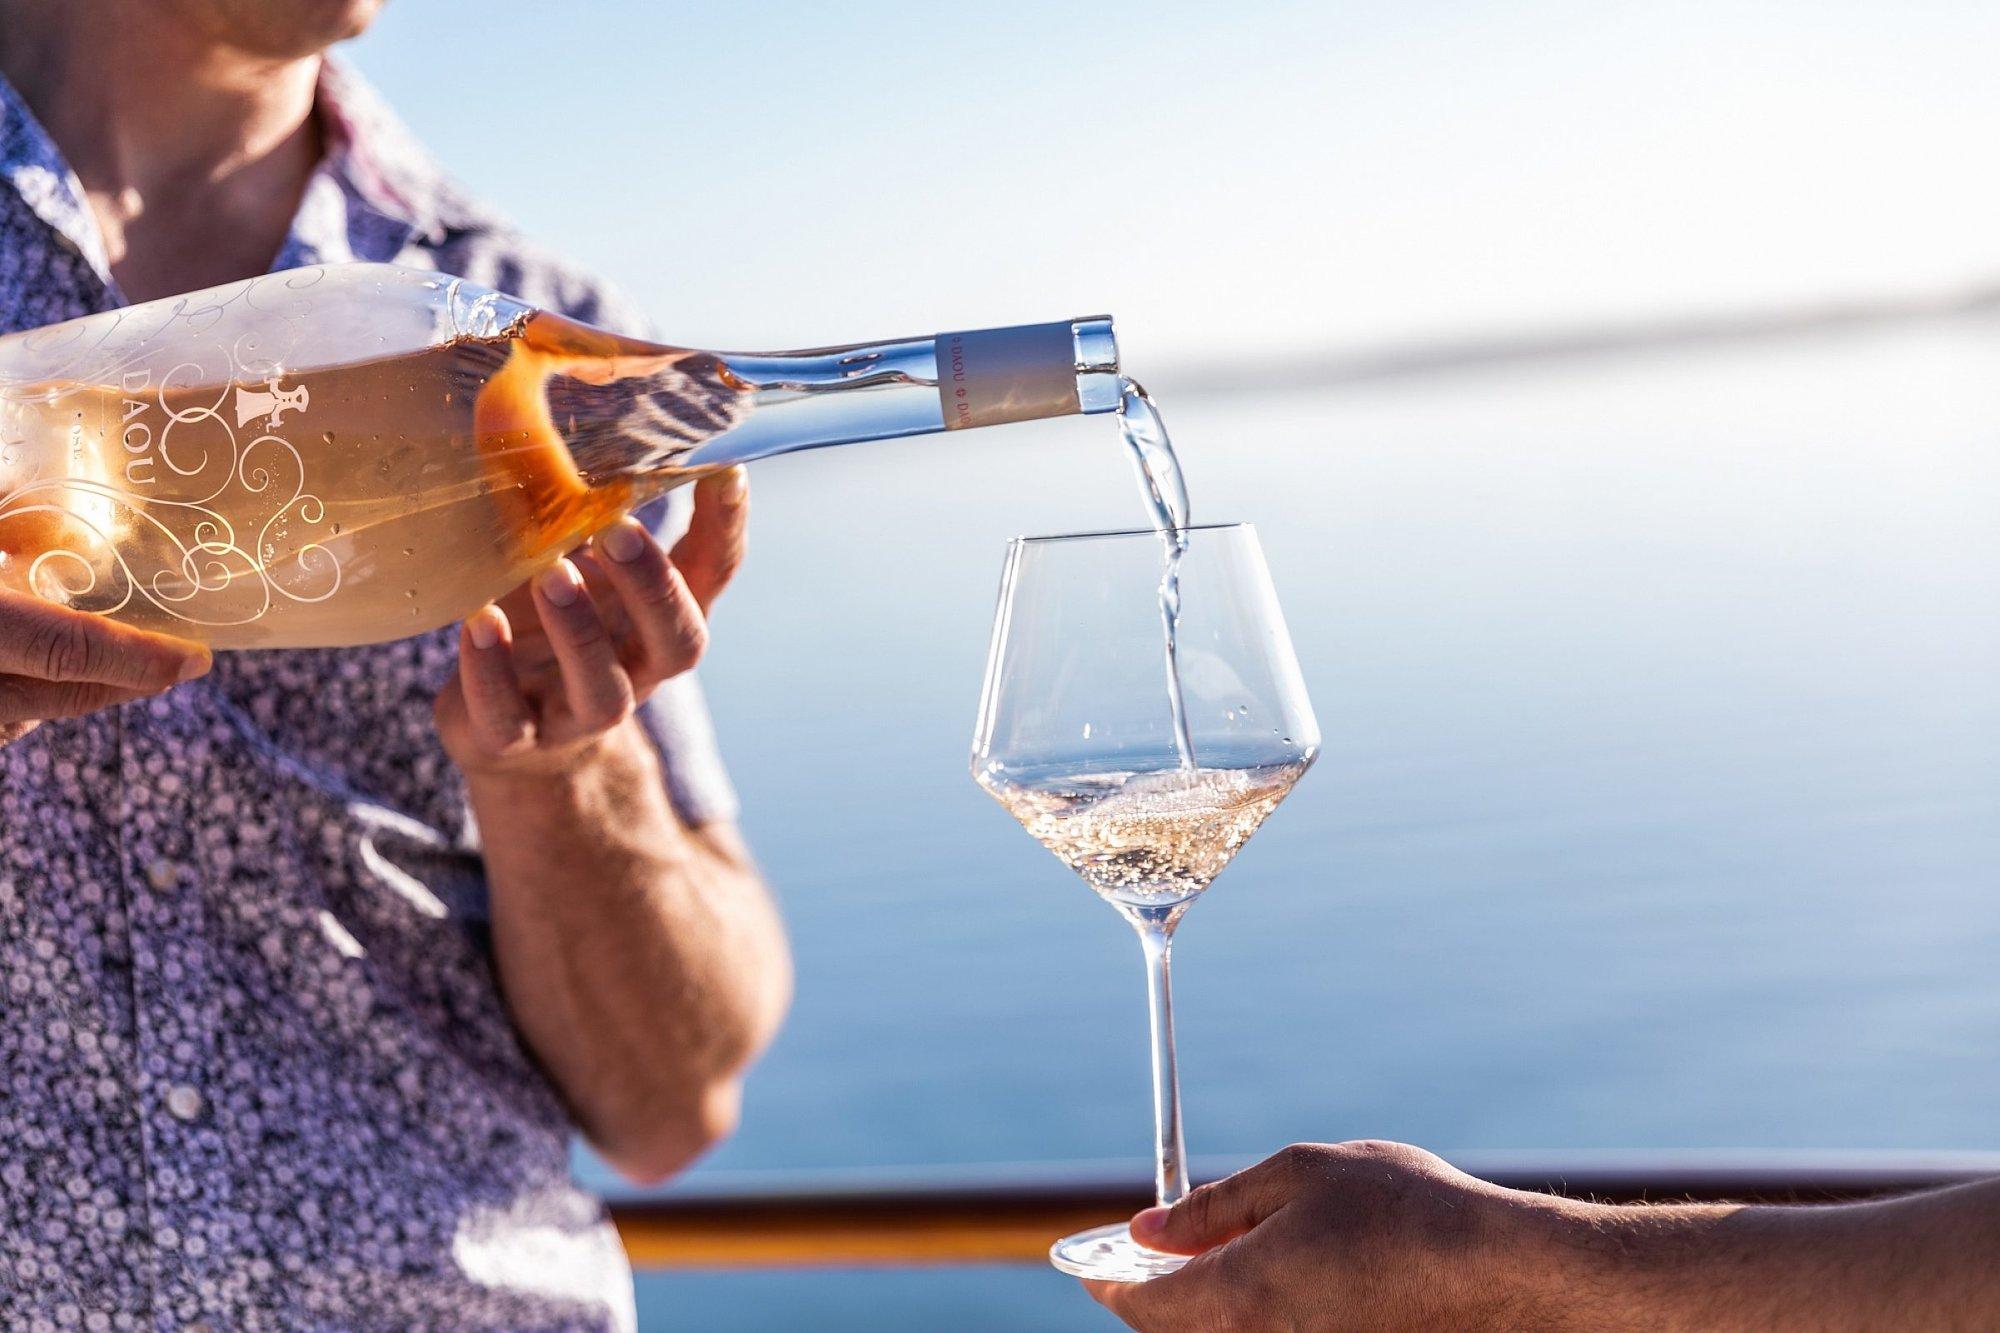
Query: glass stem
column 1156, row 937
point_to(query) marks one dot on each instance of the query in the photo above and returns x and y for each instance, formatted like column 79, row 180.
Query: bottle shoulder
column 284, row 322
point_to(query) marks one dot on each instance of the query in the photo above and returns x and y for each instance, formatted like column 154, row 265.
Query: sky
column 1222, row 178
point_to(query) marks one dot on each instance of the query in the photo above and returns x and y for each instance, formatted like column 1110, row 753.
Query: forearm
column 1922, row 1261
column 642, row 961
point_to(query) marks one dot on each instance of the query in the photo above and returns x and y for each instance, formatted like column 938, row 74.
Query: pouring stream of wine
column 1166, row 497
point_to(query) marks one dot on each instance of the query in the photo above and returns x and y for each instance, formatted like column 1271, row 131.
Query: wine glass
column 1078, row 738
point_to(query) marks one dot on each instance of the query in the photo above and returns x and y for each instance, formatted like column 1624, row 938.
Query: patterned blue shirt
column 258, row 1074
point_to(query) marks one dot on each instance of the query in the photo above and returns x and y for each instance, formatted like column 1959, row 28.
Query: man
column 311, row 961
column 1380, row 1236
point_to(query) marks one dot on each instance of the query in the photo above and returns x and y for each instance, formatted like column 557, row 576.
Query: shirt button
column 183, row 1102
column 161, row 873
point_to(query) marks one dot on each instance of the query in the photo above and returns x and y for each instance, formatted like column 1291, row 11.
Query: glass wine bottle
column 361, row 452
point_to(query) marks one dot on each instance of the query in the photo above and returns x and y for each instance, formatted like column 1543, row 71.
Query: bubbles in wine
column 1146, row 839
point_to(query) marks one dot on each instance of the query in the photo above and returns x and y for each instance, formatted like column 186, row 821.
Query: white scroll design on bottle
column 146, row 457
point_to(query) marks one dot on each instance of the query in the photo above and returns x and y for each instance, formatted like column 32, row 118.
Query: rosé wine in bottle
column 360, row 452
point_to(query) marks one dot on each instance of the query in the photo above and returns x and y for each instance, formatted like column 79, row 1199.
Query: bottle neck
column 915, row 386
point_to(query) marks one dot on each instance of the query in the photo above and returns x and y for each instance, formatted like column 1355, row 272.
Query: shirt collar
column 375, row 190
column 34, row 167
column 382, row 164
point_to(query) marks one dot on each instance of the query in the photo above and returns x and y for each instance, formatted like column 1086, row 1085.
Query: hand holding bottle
column 55, row 662
column 560, row 662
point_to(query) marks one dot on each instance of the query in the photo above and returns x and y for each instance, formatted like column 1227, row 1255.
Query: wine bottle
column 357, row 453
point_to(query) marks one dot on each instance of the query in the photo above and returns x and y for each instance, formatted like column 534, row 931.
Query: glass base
column 1109, row 1254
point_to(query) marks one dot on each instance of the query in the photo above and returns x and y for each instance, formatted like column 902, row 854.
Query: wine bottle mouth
column 1111, row 534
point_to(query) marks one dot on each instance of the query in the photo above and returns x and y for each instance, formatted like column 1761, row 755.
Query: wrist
column 543, row 776
column 1546, row 1263
column 1611, row 1266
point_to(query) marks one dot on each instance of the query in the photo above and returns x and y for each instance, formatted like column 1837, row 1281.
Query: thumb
column 1214, row 1213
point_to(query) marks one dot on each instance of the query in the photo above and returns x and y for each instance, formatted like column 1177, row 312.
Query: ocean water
column 1659, row 807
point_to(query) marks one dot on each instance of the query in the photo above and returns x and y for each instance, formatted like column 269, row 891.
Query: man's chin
column 284, row 29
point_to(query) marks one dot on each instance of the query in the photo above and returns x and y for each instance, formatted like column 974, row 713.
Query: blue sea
column 1659, row 805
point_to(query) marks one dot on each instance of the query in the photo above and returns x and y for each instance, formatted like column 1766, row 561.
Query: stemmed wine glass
column 1077, row 738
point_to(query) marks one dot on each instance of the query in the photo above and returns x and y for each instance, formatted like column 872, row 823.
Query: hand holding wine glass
column 1079, row 737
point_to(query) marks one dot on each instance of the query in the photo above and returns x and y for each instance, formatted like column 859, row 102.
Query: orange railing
column 997, row 1215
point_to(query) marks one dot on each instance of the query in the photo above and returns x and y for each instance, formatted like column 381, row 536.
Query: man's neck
column 192, row 154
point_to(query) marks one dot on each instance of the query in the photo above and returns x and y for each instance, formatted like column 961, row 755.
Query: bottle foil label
column 990, row 376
